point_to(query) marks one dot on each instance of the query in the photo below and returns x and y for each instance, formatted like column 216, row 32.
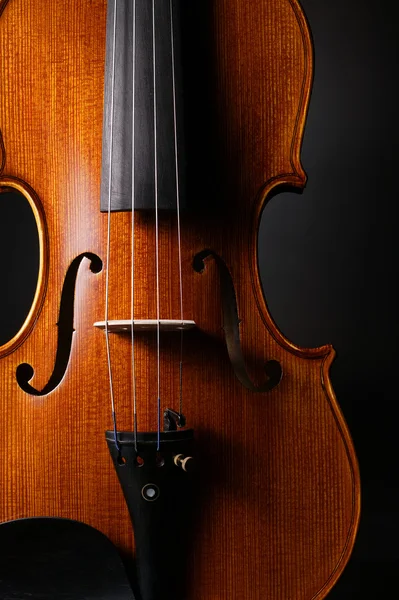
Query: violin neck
column 143, row 144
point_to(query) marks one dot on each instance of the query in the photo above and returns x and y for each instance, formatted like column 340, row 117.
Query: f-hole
column 25, row 372
column 231, row 329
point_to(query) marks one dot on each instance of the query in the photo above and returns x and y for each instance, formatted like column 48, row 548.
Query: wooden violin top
column 276, row 491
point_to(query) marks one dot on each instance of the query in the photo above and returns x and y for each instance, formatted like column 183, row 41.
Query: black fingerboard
column 154, row 148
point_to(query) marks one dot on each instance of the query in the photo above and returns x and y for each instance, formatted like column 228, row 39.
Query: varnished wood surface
column 279, row 482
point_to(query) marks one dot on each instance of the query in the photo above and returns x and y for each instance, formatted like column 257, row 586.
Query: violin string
column 132, row 235
column 156, row 233
column 109, row 232
column 177, row 206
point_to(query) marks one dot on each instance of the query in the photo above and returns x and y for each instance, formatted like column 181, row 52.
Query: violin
column 149, row 393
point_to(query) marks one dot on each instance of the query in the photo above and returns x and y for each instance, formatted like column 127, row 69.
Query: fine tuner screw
column 185, row 462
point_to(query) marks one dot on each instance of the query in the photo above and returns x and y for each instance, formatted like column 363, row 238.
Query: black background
column 328, row 258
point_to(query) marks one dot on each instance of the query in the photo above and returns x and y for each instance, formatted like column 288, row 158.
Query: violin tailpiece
column 158, row 489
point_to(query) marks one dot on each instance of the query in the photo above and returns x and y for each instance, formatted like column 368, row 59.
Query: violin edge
column 18, row 185
column 354, row 466
column 296, row 179
column 2, row 154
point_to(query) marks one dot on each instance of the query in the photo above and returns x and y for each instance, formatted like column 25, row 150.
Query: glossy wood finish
column 278, row 496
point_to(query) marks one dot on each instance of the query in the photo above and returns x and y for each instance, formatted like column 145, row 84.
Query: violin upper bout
column 264, row 71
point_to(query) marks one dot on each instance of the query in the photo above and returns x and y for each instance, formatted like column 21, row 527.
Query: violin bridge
column 125, row 325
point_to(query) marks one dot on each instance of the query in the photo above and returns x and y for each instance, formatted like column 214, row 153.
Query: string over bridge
column 125, row 325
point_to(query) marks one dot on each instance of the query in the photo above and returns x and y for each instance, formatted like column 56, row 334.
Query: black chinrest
column 59, row 559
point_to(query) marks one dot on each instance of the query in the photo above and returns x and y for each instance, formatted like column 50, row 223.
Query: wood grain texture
column 279, row 500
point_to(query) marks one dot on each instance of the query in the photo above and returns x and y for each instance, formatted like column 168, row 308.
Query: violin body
column 277, row 482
